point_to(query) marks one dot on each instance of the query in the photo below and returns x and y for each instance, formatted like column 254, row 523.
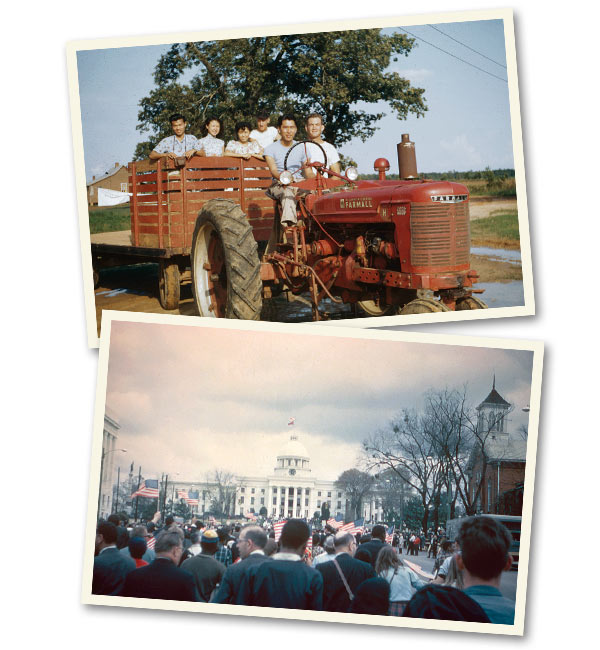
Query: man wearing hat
column 207, row 571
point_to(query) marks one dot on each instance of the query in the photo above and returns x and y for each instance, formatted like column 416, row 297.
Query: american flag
column 277, row 528
column 151, row 541
column 251, row 515
column 182, row 494
column 291, row 422
column 335, row 522
column 389, row 536
column 148, row 489
column 192, row 498
column 354, row 527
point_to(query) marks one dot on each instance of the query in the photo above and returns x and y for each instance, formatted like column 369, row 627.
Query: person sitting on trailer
column 179, row 144
column 243, row 147
column 210, row 145
column 275, row 156
column 264, row 134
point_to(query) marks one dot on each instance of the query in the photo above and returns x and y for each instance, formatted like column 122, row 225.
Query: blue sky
column 467, row 125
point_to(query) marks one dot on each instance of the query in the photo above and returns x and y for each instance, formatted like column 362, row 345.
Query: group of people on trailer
column 266, row 143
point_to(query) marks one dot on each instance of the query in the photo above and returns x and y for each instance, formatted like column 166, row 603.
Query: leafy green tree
column 182, row 509
column 325, row 512
column 327, row 72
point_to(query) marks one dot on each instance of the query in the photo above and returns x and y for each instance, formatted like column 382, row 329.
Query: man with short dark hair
column 177, row 145
column 122, row 534
column 376, row 542
column 205, row 569
column 484, row 555
column 163, row 579
column 343, row 574
column 263, row 133
column 110, row 566
column 251, row 544
column 275, row 155
column 285, row 582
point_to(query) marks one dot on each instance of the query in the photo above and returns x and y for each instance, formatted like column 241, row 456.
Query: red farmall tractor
column 390, row 246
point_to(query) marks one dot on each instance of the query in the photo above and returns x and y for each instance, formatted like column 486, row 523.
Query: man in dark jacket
column 376, row 544
column 335, row 592
column 286, row 581
column 251, row 544
column 110, row 566
column 206, row 570
column 163, row 579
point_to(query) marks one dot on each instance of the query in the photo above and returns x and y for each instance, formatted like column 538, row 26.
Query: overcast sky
column 192, row 399
column 466, row 127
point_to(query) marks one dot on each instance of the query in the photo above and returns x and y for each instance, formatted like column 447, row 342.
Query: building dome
column 293, row 459
column 293, row 448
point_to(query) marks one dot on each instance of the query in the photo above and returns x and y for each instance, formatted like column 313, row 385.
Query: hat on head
column 209, row 537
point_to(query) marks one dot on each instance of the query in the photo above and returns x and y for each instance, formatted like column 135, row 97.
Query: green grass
column 500, row 230
column 109, row 219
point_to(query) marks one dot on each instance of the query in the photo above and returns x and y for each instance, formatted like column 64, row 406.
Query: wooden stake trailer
column 165, row 203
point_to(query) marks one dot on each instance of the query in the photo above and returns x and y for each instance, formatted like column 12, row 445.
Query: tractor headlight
column 352, row 173
column 285, row 178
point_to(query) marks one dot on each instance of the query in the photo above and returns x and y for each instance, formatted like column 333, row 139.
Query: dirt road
column 481, row 207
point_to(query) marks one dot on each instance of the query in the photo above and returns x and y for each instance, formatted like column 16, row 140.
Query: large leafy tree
column 327, row 72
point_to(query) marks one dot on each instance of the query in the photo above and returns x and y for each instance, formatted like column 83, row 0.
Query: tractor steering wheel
column 289, row 151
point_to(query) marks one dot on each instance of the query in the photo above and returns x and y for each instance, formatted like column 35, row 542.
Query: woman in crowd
column 210, row 145
column 403, row 582
column 243, row 147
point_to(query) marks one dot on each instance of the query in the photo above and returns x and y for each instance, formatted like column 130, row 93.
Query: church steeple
column 493, row 412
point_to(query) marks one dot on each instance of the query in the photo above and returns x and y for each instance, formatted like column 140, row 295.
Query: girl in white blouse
column 210, row 145
column 242, row 147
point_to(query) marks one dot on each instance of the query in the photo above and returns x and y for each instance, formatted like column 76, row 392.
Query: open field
column 109, row 219
column 499, row 229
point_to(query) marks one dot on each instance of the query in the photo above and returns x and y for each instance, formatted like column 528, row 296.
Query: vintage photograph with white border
column 180, row 398
column 376, row 256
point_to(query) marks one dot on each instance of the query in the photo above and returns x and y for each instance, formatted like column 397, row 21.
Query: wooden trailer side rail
column 167, row 199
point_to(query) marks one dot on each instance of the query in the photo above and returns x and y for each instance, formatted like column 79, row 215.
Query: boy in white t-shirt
column 264, row 134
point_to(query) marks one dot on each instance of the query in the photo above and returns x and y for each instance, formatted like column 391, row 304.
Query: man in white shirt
column 314, row 129
column 264, row 134
column 177, row 145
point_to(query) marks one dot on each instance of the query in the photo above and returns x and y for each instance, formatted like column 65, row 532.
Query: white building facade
column 107, row 465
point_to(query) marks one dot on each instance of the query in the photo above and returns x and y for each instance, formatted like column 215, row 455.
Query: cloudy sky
column 192, row 399
column 462, row 68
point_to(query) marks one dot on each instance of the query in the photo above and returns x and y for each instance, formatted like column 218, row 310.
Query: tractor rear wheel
column 225, row 266
column 372, row 308
column 169, row 284
column 470, row 302
column 423, row 306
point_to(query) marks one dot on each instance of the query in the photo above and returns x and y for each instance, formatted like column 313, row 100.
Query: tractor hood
column 366, row 200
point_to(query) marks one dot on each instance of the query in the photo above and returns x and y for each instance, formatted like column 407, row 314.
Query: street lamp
column 104, row 454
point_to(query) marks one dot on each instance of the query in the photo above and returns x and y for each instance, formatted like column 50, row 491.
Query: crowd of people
column 302, row 570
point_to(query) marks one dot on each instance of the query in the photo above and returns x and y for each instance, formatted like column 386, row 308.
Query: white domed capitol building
column 291, row 490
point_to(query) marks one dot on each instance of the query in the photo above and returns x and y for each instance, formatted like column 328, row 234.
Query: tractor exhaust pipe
column 407, row 159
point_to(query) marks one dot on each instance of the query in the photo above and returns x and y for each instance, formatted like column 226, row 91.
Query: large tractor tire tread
column 470, row 302
column 242, row 266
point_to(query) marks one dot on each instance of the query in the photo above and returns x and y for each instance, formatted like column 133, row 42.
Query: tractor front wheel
column 423, row 306
column 470, row 302
column 224, row 261
column 373, row 308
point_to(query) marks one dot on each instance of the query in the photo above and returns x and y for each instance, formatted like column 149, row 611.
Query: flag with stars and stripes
column 277, row 528
column 148, row 489
column 182, row 494
column 192, row 498
column 389, row 535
